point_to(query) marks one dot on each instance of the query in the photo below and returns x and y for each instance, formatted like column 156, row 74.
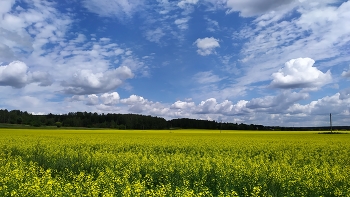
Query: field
column 172, row 163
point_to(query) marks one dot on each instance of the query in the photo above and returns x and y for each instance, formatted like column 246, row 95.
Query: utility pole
column 330, row 122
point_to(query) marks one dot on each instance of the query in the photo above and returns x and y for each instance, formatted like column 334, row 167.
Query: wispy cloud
column 248, row 8
column 122, row 9
column 206, row 77
column 308, row 34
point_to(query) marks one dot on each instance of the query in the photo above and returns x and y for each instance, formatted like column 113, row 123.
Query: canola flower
column 176, row 163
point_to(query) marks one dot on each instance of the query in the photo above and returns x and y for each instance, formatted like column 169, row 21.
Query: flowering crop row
column 177, row 163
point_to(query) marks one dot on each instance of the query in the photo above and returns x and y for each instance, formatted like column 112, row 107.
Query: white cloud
column 276, row 104
column 282, row 109
column 38, row 36
column 77, row 98
column 208, row 107
column 274, row 38
column 206, row 77
column 103, row 101
column 25, row 101
column 16, row 75
column 206, row 46
column 248, row 8
column 269, row 104
column 5, row 6
column 211, row 106
column 134, row 99
column 81, row 38
column 110, row 98
column 105, row 39
column 137, row 104
column 114, row 8
column 182, row 105
column 346, row 73
column 136, row 66
column 118, row 51
column 155, row 35
column 335, row 104
column 88, row 82
column 182, row 23
column 300, row 73
column 184, row 3
column 212, row 25
column 92, row 99
column 43, row 78
column 344, row 94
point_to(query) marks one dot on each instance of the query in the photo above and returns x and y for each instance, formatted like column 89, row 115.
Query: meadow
column 172, row 163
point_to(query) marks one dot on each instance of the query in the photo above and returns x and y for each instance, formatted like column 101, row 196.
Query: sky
column 269, row 62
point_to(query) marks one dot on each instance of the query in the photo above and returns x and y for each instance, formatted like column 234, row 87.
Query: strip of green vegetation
column 172, row 163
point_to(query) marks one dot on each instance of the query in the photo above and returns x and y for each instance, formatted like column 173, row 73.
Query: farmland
column 172, row 163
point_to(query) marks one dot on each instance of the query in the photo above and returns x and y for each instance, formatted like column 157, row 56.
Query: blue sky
column 268, row 62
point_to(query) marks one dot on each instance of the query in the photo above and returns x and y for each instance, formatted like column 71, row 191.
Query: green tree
column 58, row 124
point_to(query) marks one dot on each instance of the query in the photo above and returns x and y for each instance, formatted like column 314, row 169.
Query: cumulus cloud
column 138, row 104
column 207, row 107
column 77, row 98
column 92, row 99
column 43, row 78
column 211, row 106
column 134, row 99
column 282, row 109
column 346, row 74
column 256, row 109
column 88, row 82
column 182, row 105
column 276, row 104
column 248, row 8
column 335, row 104
column 300, row 73
column 103, row 100
column 110, row 98
column 16, row 74
column 344, row 94
column 206, row 46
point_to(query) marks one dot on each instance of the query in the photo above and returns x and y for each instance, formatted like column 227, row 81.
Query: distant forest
column 132, row 121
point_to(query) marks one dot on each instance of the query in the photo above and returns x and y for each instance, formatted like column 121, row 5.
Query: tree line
column 115, row 121
column 130, row 121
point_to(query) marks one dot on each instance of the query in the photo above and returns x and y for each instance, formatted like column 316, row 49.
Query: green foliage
column 176, row 163
column 35, row 123
column 58, row 124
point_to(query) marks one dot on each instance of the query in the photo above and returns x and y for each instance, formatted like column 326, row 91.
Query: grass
column 39, row 162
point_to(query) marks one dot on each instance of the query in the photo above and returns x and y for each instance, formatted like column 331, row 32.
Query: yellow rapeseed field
column 173, row 163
